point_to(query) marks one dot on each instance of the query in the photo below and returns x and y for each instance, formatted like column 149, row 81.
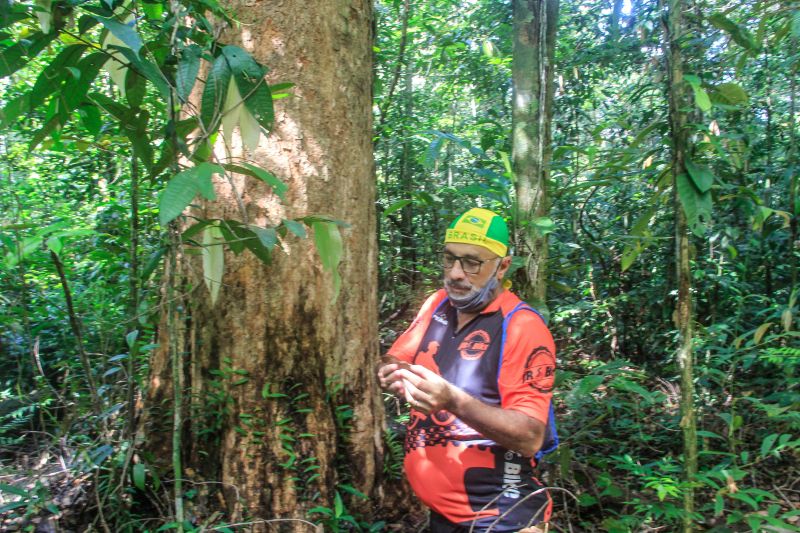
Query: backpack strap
column 551, row 434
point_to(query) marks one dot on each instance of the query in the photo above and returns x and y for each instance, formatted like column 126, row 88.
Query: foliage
column 108, row 142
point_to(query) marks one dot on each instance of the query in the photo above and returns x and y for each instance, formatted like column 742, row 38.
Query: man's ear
column 505, row 263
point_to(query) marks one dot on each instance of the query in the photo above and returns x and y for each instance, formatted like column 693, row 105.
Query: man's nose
column 457, row 272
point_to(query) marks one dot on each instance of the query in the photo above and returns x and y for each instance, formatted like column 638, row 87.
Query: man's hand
column 389, row 377
column 427, row 391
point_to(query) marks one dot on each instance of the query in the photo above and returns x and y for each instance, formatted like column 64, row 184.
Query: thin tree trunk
column 76, row 332
column 684, row 314
column 794, row 205
column 408, row 248
column 401, row 61
column 133, row 302
column 535, row 23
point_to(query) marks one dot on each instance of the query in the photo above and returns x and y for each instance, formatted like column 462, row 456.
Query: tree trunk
column 408, row 246
column 282, row 405
column 684, row 314
column 535, row 24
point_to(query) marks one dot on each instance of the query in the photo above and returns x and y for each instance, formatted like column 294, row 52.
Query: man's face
column 460, row 284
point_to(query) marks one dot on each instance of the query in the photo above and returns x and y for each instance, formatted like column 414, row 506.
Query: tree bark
column 283, row 406
column 684, row 314
column 535, row 23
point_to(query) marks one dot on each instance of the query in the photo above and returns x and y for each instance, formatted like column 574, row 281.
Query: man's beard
column 476, row 299
column 449, row 284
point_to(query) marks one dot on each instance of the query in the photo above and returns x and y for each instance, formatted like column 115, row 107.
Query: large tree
column 279, row 401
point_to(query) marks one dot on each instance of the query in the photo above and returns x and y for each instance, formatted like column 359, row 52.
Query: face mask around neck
column 477, row 301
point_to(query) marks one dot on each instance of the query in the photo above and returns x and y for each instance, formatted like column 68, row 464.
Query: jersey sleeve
column 406, row 345
column 527, row 371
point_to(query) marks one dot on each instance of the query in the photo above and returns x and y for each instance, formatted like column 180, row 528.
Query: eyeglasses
column 469, row 265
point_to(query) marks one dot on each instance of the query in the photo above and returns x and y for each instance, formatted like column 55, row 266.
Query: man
column 477, row 368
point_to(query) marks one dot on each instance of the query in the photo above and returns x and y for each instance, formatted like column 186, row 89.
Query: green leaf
column 12, row 489
column 701, row 98
column 544, row 225
column 214, row 94
column 738, row 33
column 152, row 11
column 13, row 109
column 182, row 189
column 766, row 444
column 121, row 112
column 796, row 24
column 278, row 187
column 732, row 93
column 329, row 246
column 710, row 434
column 124, row 32
column 135, row 88
column 338, row 505
column 588, row 384
column 205, row 186
column 18, row 54
column 701, row 176
column 51, row 77
column 148, row 69
column 267, row 236
column 696, row 205
column 253, row 88
column 630, row 252
column 75, row 90
column 396, row 206
column 188, row 66
column 295, row 227
column 139, row 474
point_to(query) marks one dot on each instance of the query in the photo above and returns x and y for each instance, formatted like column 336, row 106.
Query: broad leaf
column 732, row 93
column 696, row 205
column 188, row 66
column 231, row 111
column 148, row 69
column 205, row 185
column 178, row 194
column 249, row 78
column 183, row 187
column 125, row 33
column 278, row 187
column 701, row 98
column 295, row 227
column 138, row 473
column 737, row 32
column 396, row 206
column 329, row 246
column 51, row 77
column 701, row 176
column 213, row 260
column 75, row 90
column 214, row 94
column 267, row 236
column 16, row 56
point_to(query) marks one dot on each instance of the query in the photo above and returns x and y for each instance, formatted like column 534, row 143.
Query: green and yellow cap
column 480, row 227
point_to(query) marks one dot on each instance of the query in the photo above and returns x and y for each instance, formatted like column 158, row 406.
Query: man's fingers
column 423, row 372
column 411, row 377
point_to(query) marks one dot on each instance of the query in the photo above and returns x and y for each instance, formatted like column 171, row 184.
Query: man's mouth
column 458, row 288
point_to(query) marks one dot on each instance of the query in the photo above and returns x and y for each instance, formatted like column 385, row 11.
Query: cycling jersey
column 505, row 358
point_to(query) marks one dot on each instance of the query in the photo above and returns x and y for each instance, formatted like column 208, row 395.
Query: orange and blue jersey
column 504, row 357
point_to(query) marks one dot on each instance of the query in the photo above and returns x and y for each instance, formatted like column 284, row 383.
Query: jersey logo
column 540, row 370
column 474, row 345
